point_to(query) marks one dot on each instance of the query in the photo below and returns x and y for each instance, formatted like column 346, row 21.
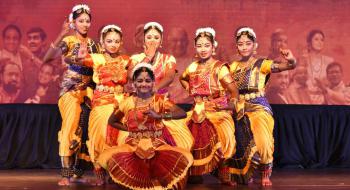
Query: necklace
column 109, row 58
column 141, row 125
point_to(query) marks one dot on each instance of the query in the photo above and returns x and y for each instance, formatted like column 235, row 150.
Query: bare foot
column 98, row 182
column 266, row 182
column 64, row 182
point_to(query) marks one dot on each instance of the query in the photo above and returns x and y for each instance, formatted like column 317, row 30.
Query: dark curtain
column 311, row 136
column 305, row 136
column 28, row 136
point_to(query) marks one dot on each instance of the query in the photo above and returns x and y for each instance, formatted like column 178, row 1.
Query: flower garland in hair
column 75, row 8
column 140, row 65
column 81, row 6
column 246, row 29
column 209, row 30
column 155, row 24
column 106, row 28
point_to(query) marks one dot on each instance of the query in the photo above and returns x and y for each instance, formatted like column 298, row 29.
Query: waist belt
column 251, row 96
column 147, row 134
column 110, row 89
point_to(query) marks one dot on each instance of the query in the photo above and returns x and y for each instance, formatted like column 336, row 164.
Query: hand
column 153, row 114
column 65, row 27
column 150, row 49
column 287, row 54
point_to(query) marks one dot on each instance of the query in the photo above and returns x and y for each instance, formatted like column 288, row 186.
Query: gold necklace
column 141, row 126
column 109, row 58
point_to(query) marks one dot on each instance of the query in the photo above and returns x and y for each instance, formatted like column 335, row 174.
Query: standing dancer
column 74, row 111
column 212, row 126
column 110, row 76
column 254, row 134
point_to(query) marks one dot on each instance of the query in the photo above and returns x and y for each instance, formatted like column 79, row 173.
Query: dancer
column 146, row 161
column 77, row 79
column 212, row 126
column 164, row 66
column 255, row 143
column 110, row 76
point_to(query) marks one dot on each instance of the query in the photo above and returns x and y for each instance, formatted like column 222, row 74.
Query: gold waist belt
column 253, row 95
column 110, row 89
column 147, row 134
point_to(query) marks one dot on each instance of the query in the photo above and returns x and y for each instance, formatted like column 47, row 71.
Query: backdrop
column 290, row 20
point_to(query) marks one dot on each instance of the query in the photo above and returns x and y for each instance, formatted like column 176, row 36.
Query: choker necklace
column 204, row 61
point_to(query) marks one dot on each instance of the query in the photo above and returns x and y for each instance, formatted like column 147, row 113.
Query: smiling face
column 112, row 42
column 82, row 23
column 245, row 46
column 35, row 42
column 204, row 47
column 143, row 82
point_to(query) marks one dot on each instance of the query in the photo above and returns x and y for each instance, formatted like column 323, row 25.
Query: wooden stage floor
column 290, row 179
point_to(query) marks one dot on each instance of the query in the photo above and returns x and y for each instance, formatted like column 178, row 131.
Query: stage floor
column 290, row 179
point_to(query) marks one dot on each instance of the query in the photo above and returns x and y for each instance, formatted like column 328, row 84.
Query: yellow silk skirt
column 69, row 106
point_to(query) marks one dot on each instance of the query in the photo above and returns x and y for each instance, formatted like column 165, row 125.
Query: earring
column 214, row 53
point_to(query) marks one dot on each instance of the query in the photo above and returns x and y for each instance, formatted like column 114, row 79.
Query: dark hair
column 143, row 69
column 208, row 35
column 6, row 62
column 152, row 27
column 312, row 33
column 37, row 30
column 249, row 35
column 334, row 64
column 104, row 34
column 79, row 12
column 14, row 27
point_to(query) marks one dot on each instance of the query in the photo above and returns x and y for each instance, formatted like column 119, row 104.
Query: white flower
column 246, row 29
column 81, row 6
column 156, row 24
column 207, row 29
column 106, row 28
column 139, row 65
